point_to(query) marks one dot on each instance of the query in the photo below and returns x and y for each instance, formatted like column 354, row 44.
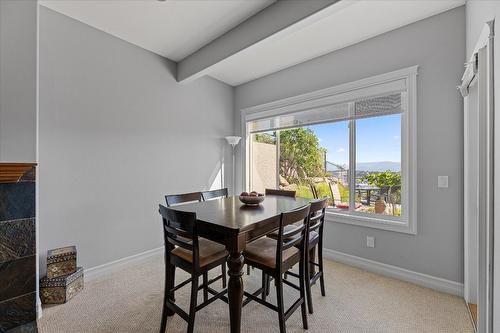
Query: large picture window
column 353, row 143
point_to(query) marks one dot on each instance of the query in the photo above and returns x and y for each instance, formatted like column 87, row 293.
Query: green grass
column 304, row 191
column 344, row 193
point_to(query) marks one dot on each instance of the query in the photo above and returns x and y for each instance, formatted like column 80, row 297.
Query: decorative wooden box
column 61, row 289
column 61, row 262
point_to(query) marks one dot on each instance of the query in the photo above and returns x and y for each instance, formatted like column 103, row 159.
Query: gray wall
column 18, row 53
column 437, row 45
column 117, row 132
column 477, row 14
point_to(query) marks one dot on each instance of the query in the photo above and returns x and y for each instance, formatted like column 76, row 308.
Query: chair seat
column 263, row 251
column 209, row 252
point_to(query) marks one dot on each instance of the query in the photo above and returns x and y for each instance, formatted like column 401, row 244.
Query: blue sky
column 378, row 139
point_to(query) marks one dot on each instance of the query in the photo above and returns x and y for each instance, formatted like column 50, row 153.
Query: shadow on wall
column 216, row 180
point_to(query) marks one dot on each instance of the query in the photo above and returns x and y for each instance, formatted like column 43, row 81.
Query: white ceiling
column 346, row 23
column 172, row 28
column 177, row 28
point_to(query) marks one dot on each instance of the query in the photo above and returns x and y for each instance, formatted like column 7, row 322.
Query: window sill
column 371, row 222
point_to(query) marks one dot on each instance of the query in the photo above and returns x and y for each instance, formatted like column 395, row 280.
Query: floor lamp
column 233, row 141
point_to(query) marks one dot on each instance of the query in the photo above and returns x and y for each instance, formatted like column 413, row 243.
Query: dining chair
column 214, row 194
column 275, row 257
column 177, row 199
column 173, row 200
column 285, row 193
column 315, row 236
column 314, row 191
column 195, row 255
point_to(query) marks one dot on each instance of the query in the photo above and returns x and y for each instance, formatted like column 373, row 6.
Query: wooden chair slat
column 293, row 232
column 291, row 243
column 176, row 199
column 177, row 231
column 208, row 195
column 284, row 193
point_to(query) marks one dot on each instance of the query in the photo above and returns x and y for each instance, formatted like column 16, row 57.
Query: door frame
column 479, row 71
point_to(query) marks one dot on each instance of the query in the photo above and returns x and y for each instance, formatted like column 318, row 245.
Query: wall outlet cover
column 370, row 241
column 442, row 181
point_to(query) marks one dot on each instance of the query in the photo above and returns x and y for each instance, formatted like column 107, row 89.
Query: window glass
column 378, row 165
column 264, row 161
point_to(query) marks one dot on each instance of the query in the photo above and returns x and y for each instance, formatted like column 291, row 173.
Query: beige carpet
column 356, row 301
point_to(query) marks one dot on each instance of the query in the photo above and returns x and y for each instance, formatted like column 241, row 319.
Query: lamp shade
column 233, row 140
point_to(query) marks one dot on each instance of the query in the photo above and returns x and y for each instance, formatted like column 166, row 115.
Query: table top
column 232, row 215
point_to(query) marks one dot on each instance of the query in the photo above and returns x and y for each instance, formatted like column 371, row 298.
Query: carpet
column 357, row 301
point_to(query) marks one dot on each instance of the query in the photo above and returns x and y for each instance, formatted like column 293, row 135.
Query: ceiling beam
column 277, row 19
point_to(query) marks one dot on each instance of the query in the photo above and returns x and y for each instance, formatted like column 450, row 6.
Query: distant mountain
column 330, row 166
column 379, row 166
column 366, row 166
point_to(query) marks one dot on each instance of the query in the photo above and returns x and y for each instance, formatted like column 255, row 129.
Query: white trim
column 478, row 249
column 327, row 92
column 39, row 310
column 424, row 280
column 408, row 221
column 369, row 221
column 110, row 267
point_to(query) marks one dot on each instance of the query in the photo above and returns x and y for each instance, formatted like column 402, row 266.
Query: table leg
column 235, row 263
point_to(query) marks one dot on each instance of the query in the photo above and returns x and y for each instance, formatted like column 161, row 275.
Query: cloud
column 396, row 137
column 340, row 150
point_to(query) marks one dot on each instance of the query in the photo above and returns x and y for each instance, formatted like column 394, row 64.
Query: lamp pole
column 233, row 141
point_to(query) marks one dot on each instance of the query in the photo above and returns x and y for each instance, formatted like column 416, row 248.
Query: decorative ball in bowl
column 252, row 198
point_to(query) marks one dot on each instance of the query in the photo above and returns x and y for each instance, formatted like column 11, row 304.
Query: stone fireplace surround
column 17, row 248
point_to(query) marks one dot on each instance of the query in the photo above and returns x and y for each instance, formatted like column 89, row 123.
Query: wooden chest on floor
column 61, row 289
column 61, row 262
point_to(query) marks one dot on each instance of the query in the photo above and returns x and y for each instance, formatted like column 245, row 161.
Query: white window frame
column 407, row 223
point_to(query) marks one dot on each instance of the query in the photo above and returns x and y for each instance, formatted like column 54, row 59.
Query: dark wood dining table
column 229, row 222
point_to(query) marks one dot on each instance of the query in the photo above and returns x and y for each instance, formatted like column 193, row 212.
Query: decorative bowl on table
column 252, row 198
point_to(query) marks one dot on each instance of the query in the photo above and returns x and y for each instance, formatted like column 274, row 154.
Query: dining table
column 234, row 224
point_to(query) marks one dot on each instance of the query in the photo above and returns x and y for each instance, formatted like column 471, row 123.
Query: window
column 264, row 161
column 354, row 143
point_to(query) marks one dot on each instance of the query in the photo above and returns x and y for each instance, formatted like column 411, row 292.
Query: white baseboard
column 107, row 268
column 39, row 312
column 428, row 281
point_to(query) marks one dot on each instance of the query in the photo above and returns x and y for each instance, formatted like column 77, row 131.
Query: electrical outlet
column 370, row 241
column 442, row 181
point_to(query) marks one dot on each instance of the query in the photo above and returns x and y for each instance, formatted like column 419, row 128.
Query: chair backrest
column 318, row 210
column 314, row 191
column 316, row 194
column 215, row 194
column 295, row 236
column 331, row 192
column 284, row 193
column 179, row 229
column 176, row 199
